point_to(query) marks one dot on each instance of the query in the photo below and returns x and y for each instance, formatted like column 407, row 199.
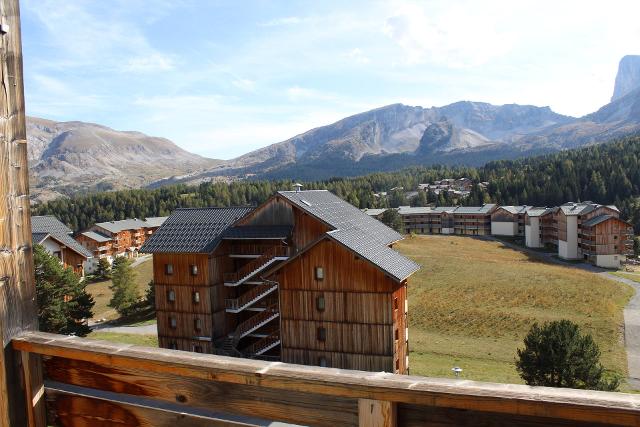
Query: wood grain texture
column 77, row 410
column 17, row 290
column 227, row 398
column 377, row 413
column 509, row 401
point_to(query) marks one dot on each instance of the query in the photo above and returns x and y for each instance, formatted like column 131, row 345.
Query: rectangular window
column 319, row 273
column 397, row 364
column 395, row 303
column 197, row 348
column 322, row 361
column 320, row 303
column 397, row 335
column 171, row 295
column 322, row 334
column 173, row 322
column 197, row 324
column 168, row 269
column 194, row 270
column 173, row 345
column 196, row 297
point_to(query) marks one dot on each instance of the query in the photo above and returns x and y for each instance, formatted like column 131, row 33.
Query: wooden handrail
column 311, row 395
column 250, row 295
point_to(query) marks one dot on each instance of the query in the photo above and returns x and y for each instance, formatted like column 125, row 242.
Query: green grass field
column 102, row 294
column 136, row 339
column 473, row 302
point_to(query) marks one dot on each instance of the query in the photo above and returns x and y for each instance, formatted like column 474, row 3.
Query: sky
column 222, row 78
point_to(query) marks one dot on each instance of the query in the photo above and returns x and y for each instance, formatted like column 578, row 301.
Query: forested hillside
column 608, row 173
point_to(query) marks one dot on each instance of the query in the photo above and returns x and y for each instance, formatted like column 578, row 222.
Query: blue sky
column 221, row 78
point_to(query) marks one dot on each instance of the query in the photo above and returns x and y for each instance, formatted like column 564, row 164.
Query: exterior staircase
column 272, row 255
column 249, row 298
column 262, row 346
column 256, row 322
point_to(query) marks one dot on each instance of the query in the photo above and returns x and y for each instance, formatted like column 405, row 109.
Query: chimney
column 298, row 187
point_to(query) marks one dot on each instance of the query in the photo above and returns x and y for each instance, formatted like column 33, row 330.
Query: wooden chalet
column 56, row 238
column 54, row 380
column 305, row 278
column 118, row 238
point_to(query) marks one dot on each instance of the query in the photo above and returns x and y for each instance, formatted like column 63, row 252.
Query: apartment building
column 304, row 278
column 57, row 239
column 509, row 220
column 118, row 238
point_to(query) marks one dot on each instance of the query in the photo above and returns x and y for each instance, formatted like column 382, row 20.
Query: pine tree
column 125, row 293
column 103, row 269
column 559, row 355
column 63, row 304
column 392, row 219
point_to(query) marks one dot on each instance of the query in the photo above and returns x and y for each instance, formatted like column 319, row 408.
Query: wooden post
column 377, row 413
column 17, row 288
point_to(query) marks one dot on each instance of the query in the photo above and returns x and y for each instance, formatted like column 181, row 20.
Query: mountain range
column 67, row 156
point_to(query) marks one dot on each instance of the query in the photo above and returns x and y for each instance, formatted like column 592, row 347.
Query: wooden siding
column 358, row 316
column 352, row 307
column 343, row 271
column 275, row 211
column 183, row 299
column 184, row 324
column 181, row 269
column 360, row 362
column 184, row 344
column 400, row 345
column 358, row 338
column 307, row 229
column 74, row 260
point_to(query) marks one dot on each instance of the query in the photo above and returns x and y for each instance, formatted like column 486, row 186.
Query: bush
column 559, row 355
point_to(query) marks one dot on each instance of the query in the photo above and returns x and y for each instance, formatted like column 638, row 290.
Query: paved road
column 631, row 330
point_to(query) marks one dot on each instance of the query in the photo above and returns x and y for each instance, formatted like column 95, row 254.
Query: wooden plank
column 261, row 402
column 33, row 389
column 377, row 413
column 510, row 399
column 69, row 409
column 17, row 290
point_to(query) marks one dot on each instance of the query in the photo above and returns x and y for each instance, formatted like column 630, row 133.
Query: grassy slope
column 473, row 302
column 135, row 339
column 102, row 294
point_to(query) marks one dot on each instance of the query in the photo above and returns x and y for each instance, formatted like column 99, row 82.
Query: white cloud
column 244, row 84
column 149, row 63
column 358, row 56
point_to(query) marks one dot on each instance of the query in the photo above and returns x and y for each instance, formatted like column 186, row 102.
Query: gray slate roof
column 515, row 209
column 125, row 224
column 45, row 226
column 48, row 224
column 193, row 230
column 155, row 221
column 258, row 232
column 538, row 211
column 475, row 210
column 364, row 235
column 98, row 237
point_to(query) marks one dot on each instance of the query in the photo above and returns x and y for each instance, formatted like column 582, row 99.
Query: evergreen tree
column 392, row 219
column 63, row 304
column 558, row 355
column 103, row 269
column 125, row 293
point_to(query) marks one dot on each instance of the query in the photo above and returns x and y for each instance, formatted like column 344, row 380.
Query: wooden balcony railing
column 262, row 344
column 256, row 321
column 95, row 383
column 249, row 296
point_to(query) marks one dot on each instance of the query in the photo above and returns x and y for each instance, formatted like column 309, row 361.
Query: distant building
column 118, row 238
column 56, row 238
column 586, row 230
column 304, row 278
column 509, row 220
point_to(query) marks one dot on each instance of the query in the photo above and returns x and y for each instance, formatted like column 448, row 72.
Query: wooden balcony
column 95, row 383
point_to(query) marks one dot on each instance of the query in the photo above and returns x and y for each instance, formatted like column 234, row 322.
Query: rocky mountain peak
column 628, row 77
